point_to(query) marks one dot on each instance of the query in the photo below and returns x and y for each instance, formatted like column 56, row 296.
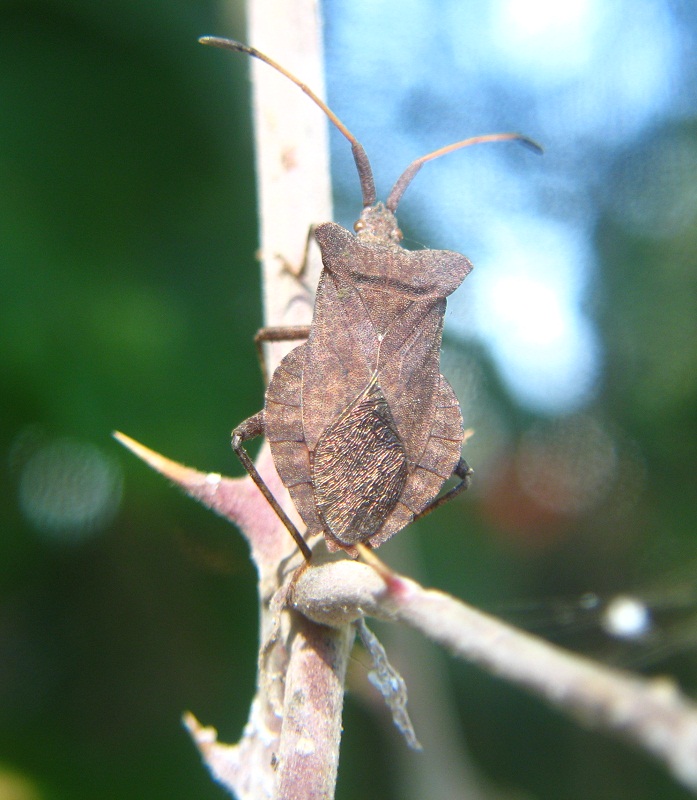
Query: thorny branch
column 651, row 713
column 310, row 660
column 289, row 747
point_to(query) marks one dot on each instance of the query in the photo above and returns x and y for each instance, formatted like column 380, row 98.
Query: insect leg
column 464, row 472
column 291, row 269
column 249, row 429
column 290, row 333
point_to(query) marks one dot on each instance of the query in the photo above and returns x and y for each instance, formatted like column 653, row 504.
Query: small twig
column 652, row 714
column 311, row 733
column 291, row 143
column 291, row 741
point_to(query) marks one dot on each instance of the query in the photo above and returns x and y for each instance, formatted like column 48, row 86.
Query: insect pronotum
column 363, row 429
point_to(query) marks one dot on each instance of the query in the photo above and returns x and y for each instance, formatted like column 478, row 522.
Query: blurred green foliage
column 127, row 238
column 129, row 297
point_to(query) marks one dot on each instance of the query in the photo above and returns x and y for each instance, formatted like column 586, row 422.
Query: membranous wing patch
column 359, row 468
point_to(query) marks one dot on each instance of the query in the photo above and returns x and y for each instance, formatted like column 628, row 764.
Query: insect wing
column 284, row 432
column 359, row 468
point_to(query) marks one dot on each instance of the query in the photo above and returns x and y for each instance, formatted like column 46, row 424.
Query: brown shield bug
column 363, row 429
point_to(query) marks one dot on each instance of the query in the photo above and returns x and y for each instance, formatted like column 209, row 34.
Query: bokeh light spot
column 627, row 617
column 69, row 489
column 555, row 39
column 567, row 466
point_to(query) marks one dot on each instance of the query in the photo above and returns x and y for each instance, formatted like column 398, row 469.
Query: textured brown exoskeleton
column 364, row 430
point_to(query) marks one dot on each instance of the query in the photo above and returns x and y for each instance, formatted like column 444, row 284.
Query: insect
column 363, row 429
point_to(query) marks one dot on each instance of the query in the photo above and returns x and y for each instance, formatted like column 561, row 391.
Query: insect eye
column 358, row 225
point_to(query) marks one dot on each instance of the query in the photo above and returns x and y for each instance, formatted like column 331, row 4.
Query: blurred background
column 129, row 296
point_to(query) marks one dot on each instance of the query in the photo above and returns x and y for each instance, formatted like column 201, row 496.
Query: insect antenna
column 410, row 172
column 365, row 173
